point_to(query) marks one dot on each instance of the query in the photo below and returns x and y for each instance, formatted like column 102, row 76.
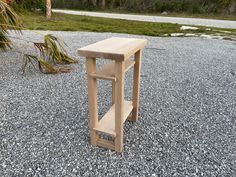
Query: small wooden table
column 119, row 50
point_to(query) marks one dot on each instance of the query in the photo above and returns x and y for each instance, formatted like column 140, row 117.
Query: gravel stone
column 187, row 120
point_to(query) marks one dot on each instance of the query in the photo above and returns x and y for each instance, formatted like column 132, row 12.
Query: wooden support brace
column 92, row 96
column 136, row 85
column 119, row 105
column 105, row 144
column 113, row 91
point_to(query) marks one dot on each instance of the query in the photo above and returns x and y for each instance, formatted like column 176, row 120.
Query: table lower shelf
column 107, row 123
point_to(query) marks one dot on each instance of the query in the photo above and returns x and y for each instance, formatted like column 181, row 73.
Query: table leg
column 92, row 96
column 119, row 105
column 136, row 85
column 113, row 92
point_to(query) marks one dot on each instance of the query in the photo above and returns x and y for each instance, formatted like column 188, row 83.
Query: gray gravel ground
column 187, row 121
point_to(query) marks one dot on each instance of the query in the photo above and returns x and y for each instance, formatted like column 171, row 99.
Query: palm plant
column 8, row 20
column 52, row 53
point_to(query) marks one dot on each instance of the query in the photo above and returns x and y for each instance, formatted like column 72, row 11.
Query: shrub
column 192, row 6
column 30, row 4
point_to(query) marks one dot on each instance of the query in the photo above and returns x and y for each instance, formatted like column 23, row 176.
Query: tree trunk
column 48, row 9
column 103, row 4
column 94, row 2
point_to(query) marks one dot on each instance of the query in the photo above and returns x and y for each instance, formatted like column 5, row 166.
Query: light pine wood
column 106, row 144
column 136, row 85
column 119, row 50
column 115, row 48
column 119, row 105
column 92, row 97
column 113, row 97
column 107, row 123
column 103, row 76
column 107, row 72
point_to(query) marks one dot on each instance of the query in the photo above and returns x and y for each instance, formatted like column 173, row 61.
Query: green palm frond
column 8, row 20
column 56, row 51
column 52, row 54
column 53, row 51
column 44, row 66
column 28, row 61
column 4, row 41
column 57, row 40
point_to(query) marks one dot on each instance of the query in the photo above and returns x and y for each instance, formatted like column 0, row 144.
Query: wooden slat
column 107, row 72
column 106, row 144
column 114, row 48
column 107, row 123
column 92, row 95
column 113, row 98
column 119, row 105
column 102, row 76
column 136, row 86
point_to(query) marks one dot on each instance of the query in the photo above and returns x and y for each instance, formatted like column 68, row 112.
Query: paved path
column 186, row 21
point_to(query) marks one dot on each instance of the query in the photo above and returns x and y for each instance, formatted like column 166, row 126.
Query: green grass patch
column 174, row 14
column 65, row 22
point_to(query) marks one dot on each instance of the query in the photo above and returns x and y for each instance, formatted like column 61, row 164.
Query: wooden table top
column 114, row 48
